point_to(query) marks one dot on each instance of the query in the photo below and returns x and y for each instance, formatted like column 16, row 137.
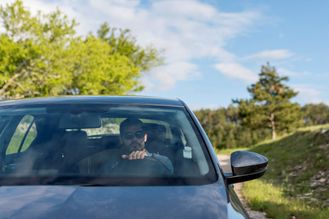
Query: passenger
column 157, row 142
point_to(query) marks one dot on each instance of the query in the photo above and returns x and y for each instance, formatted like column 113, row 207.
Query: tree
column 316, row 114
column 123, row 43
column 270, row 104
column 224, row 129
column 41, row 55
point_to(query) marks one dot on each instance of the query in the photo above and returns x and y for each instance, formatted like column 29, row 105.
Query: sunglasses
column 131, row 135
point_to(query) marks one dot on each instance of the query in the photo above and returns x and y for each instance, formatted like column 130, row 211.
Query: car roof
column 124, row 100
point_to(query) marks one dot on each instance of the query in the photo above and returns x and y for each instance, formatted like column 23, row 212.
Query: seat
column 62, row 152
column 73, row 149
column 43, row 155
column 184, row 166
column 100, row 151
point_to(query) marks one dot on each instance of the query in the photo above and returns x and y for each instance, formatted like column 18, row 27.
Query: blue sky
column 214, row 49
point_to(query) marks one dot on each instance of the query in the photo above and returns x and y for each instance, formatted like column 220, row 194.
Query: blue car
column 114, row 157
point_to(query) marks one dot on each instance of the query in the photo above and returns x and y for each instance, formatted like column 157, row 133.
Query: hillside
column 296, row 184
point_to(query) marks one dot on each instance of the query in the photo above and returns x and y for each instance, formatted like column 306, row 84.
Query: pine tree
column 270, row 104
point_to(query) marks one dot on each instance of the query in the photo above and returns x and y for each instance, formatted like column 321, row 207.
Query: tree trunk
column 273, row 126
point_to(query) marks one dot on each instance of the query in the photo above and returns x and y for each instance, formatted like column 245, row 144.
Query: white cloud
column 186, row 30
column 269, row 55
column 308, row 94
column 289, row 73
column 237, row 71
column 165, row 77
column 72, row 8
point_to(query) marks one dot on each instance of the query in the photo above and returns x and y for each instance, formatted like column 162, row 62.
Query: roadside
column 225, row 163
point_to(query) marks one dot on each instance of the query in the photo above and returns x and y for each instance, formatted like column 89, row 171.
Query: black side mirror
column 246, row 166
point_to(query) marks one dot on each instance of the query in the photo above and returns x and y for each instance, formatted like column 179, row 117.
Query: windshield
column 101, row 144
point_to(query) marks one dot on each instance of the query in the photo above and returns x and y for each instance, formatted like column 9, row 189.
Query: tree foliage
column 267, row 112
column 122, row 42
column 270, row 104
column 315, row 114
column 42, row 55
column 224, row 128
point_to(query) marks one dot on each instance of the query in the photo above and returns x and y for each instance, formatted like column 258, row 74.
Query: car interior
column 66, row 145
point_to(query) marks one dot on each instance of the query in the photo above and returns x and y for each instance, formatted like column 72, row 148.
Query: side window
column 24, row 134
column 110, row 126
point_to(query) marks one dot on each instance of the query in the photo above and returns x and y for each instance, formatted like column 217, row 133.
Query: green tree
column 224, row 128
column 123, row 43
column 213, row 121
column 41, row 55
column 270, row 104
column 316, row 114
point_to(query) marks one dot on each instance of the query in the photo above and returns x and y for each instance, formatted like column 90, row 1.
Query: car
column 56, row 153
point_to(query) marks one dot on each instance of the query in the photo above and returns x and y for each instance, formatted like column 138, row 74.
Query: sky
column 213, row 50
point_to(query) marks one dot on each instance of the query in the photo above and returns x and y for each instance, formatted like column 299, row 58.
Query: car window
column 23, row 136
column 91, row 141
column 109, row 126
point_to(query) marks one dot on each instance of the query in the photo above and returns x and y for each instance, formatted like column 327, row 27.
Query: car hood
column 206, row 201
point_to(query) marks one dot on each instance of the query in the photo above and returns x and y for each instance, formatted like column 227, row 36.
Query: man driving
column 133, row 138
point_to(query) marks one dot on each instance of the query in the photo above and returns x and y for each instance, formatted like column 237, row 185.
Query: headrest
column 79, row 121
column 154, row 127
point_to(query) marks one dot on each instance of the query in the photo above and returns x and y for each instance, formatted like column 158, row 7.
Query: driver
column 133, row 138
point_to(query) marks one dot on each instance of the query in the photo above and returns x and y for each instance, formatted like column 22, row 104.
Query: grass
column 229, row 151
column 297, row 162
column 316, row 127
column 270, row 198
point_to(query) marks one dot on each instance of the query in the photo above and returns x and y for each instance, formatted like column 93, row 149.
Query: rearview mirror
column 246, row 165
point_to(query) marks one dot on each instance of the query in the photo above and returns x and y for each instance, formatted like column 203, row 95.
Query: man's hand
column 135, row 155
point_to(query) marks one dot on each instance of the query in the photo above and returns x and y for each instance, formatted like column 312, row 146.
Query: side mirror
column 246, row 165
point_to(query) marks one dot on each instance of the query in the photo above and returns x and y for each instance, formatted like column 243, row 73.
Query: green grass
column 316, row 127
column 270, row 198
column 229, row 151
column 295, row 161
